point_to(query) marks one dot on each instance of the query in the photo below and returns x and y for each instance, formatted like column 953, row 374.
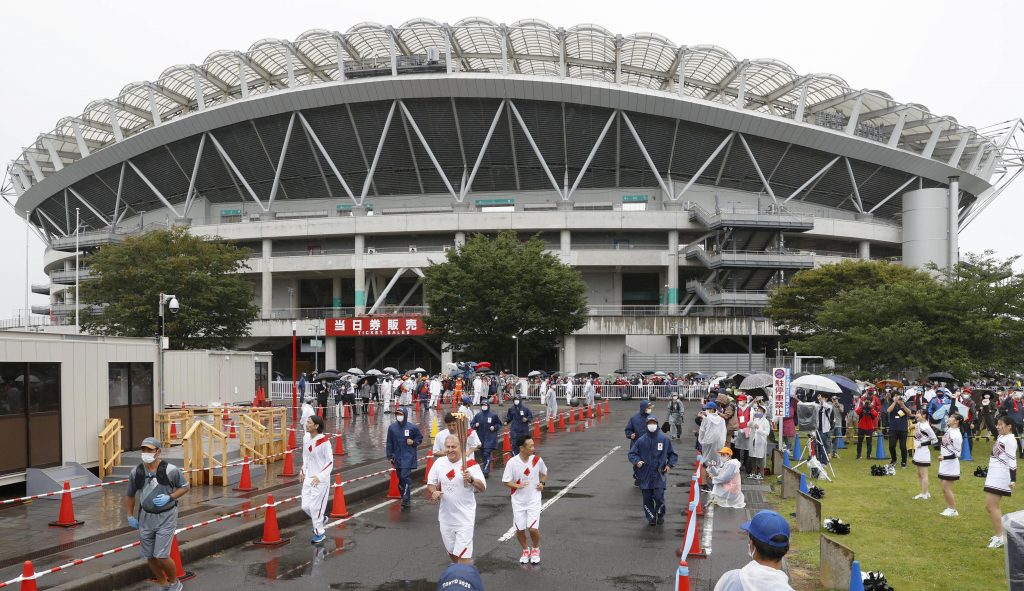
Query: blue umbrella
column 845, row 383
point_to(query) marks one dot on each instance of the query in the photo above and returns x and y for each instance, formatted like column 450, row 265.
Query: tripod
column 813, row 464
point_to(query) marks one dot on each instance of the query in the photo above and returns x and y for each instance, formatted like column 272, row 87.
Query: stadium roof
column 529, row 47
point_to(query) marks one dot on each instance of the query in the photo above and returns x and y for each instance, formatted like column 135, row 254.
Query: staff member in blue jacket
column 636, row 426
column 652, row 457
column 487, row 425
column 518, row 419
column 403, row 439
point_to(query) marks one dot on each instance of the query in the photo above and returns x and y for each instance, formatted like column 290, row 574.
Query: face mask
column 758, row 415
column 1017, row 395
column 148, row 458
column 675, row 397
column 652, row 428
column 750, row 550
column 743, row 404
column 647, row 411
column 401, row 419
column 484, row 408
column 516, row 403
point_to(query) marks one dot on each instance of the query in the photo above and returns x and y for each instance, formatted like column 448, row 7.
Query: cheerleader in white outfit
column 315, row 476
column 949, row 465
column 1002, row 476
column 924, row 436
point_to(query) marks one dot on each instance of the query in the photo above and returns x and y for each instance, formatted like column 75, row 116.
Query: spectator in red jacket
column 867, row 421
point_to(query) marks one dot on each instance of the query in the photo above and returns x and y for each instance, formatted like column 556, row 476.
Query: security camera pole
column 171, row 301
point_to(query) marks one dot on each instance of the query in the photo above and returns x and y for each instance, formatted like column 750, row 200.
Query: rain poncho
column 711, row 436
column 754, row 577
column 726, row 492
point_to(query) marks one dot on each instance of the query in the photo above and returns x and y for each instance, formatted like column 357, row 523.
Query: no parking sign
column 781, row 377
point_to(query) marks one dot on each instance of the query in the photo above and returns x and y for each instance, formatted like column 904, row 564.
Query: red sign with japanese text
column 376, row 326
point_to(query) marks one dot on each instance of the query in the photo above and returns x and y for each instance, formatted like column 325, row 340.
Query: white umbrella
column 756, row 380
column 419, row 370
column 817, row 383
column 660, row 373
column 391, row 371
column 534, row 374
column 355, row 371
column 374, row 372
column 721, row 374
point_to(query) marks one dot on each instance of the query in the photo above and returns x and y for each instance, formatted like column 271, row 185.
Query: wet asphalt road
column 594, row 536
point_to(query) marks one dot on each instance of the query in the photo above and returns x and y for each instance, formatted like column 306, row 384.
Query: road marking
column 709, row 526
column 370, row 510
column 512, row 530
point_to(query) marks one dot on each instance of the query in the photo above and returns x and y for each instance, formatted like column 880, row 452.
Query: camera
column 173, row 305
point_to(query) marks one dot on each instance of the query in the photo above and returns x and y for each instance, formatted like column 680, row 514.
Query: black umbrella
column 327, row 374
column 942, row 376
column 620, row 371
column 649, row 372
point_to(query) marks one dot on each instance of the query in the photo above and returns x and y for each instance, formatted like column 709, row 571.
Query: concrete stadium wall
column 925, row 223
column 602, row 354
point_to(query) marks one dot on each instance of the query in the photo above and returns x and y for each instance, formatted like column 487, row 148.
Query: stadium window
column 634, row 207
column 497, row 208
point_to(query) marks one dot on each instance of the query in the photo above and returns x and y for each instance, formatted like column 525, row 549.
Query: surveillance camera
column 173, row 305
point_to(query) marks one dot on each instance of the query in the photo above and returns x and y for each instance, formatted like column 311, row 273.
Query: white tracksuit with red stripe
column 317, row 462
column 525, row 501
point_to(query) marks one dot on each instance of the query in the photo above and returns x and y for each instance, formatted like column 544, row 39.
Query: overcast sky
column 957, row 58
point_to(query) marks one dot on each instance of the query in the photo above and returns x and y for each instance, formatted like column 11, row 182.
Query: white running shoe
column 949, row 512
column 919, row 496
column 535, row 556
column 927, row 496
column 995, row 542
column 525, row 558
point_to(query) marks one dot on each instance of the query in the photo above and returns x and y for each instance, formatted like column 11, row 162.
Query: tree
column 216, row 301
column 876, row 318
column 492, row 289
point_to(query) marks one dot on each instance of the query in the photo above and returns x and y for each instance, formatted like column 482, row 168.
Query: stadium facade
column 681, row 181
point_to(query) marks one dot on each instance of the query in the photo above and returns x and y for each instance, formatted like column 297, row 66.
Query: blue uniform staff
column 487, row 426
column 403, row 439
column 518, row 420
column 636, row 427
column 652, row 456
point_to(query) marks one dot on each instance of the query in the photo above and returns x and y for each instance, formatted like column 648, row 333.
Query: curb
column 123, row 575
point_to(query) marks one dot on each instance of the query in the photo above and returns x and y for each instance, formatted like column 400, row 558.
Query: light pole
column 679, row 350
column 78, row 326
column 170, row 301
column 516, row 339
column 295, row 378
column 316, row 347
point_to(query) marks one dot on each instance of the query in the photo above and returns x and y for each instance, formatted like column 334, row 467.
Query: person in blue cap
column 403, row 439
column 486, row 425
column 518, row 420
column 652, row 457
column 768, row 543
column 460, row 577
column 635, row 427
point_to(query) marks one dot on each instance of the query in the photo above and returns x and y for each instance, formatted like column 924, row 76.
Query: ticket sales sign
column 376, row 326
column 781, row 378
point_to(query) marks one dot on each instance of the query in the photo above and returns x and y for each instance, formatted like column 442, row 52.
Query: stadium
column 681, row 181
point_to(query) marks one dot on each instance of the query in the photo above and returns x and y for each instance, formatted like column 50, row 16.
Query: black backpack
column 139, row 478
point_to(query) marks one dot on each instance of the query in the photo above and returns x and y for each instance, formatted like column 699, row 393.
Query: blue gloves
column 161, row 500
column 134, row 523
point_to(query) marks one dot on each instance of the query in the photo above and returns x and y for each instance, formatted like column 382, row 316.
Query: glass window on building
column 30, row 433
column 130, row 387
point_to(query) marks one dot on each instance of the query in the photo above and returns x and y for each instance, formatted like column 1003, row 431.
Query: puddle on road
column 492, row 564
column 417, row 585
column 554, row 490
column 638, row 582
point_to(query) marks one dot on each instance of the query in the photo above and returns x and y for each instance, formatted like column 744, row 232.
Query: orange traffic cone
column 583, row 414
column 289, row 466
column 561, row 421
column 345, row 411
column 536, row 429
column 245, row 483
column 607, row 407
column 271, row 535
column 339, row 447
column 320, row 411
column 683, row 576
column 66, row 517
column 591, row 412
column 696, row 550
column 600, row 411
column 174, row 431
column 291, row 438
column 179, row 568
column 689, row 503
column 506, row 445
column 372, row 411
column 233, row 434
column 339, row 510
column 430, row 464
column 393, row 492
column 551, row 424
column 28, row 577
column 572, row 417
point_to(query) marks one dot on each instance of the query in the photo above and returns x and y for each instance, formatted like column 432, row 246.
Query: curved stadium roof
column 528, row 47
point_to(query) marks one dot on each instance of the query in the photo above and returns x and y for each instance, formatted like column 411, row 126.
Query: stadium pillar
column 460, row 238
column 569, row 353
column 693, row 344
column 864, row 250
column 359, row 299
column 566, row 242
column 266, row 281
column 672, row 291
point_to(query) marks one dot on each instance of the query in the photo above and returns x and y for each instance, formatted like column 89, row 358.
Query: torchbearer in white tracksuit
column 478, row 390
column 317, row 464
column 305, row 412
column 455, row 485
column 386, row 385
column 526, row 474
column 435, row 391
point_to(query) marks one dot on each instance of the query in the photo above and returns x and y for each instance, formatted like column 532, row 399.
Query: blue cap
column 768, row 527
column 711, row 406
column 152, row 442
column 467, row 400
column 652, row 418
column 460, row 577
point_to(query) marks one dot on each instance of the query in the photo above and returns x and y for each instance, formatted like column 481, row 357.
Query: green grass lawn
column 908, row 540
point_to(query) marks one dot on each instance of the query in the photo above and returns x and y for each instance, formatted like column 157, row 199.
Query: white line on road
column 512, row 530
column 370, row 510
